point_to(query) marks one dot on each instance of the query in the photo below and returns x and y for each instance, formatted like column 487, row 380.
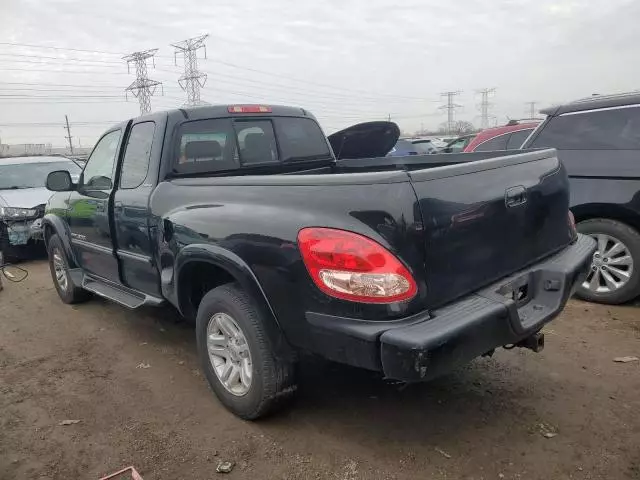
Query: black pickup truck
column 276, row 240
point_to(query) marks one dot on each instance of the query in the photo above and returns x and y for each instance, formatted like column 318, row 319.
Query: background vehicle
column 403, row 148
column 598, row 140
column 458, row 144
column 428, row 145
column 242, row 218
column 506, row 137
column 22, row 198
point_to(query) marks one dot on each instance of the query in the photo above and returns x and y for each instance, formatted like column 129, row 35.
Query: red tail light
column 353, row 267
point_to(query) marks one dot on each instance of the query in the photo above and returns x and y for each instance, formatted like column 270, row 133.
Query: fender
column 61, row 228
column 234, row 265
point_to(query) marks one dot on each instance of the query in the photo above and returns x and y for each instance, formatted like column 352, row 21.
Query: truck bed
column 459, row 224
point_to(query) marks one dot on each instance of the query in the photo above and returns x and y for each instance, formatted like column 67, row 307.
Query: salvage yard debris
column 68, row 422
column 128, row 473
column 625, row 359
column 442, row 452
column 225, row 467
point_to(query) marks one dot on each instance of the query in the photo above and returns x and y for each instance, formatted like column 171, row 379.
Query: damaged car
column 22, row 199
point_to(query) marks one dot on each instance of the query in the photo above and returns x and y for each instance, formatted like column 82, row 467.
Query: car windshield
column 33, row 175
column 459, row 144
column 425, row 147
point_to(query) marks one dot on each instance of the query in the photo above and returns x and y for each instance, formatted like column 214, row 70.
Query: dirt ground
column 486, row 421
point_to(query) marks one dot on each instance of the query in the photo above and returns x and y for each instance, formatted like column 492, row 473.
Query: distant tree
column 461, row 127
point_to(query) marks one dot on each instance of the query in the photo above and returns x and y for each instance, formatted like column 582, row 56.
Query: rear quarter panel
column 260, row 222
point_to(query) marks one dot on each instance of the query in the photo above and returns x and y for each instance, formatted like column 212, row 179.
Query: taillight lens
column 353, row 267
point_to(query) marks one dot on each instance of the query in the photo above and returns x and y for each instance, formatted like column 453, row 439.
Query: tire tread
column 278, row 376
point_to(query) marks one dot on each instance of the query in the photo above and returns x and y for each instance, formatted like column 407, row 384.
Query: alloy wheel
column 229, row 354
column 611, row 265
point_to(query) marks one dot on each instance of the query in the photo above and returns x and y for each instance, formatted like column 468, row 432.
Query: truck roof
column 595, row 102
column 220, row 111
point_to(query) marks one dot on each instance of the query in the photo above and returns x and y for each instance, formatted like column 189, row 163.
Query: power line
column 532, row 109
column 61, row 85
column 55, row 124
column 450, row 107
column 65, row 71
column 192, row 79
column 30, row 96
column 484, row 106
column 142, row 87
column 52, row 102
column 352, row 93
column 46, row 57
column 58, row 48
column 342, row 98
column 48, row 62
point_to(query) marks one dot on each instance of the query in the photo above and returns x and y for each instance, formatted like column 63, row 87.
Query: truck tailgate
column 487, row 219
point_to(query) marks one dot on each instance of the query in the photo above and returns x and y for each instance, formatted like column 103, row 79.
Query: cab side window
column 494, row 144
column 517, row 139
column 137, row 155
column 98, row 173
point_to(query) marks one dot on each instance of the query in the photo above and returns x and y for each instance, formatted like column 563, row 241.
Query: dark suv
column 598, row 140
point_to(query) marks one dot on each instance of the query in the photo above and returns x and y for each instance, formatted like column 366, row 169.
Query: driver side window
column 98, row 173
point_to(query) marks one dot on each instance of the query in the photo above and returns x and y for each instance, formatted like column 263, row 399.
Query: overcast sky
column 347, row 61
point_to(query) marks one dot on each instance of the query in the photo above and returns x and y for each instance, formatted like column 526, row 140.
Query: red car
column 507, row 137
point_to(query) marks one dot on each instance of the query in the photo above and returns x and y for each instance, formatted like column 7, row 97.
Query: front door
column 89, row 208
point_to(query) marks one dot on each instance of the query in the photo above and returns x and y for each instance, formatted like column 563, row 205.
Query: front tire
column 614, row 277
column 68, row 291
column 237, row 356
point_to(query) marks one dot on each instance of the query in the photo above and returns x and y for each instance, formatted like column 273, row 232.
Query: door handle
column 515, row 196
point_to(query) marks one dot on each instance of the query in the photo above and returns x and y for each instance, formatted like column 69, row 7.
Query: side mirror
column 59, row 181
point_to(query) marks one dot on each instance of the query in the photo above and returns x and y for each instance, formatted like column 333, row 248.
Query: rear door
column 89, row 206
column 486, row 219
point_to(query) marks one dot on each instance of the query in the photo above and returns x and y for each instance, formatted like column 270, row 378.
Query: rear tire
column 68, row 291
column 263, row 387
column 614, row 266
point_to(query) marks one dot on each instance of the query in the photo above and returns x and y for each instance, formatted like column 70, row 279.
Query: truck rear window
column 224, row 144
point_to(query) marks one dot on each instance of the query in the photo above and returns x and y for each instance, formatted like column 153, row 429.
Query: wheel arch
column 200, row 268
column 609, row 211
column 52, row 224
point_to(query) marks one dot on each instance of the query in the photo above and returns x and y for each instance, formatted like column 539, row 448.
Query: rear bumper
column 430, row 344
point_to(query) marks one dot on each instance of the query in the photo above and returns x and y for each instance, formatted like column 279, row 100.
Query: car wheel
column 614, row 276
column 237, row 356
column 68, row 291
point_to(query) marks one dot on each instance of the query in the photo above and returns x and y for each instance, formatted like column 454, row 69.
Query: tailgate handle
column 515, row 196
